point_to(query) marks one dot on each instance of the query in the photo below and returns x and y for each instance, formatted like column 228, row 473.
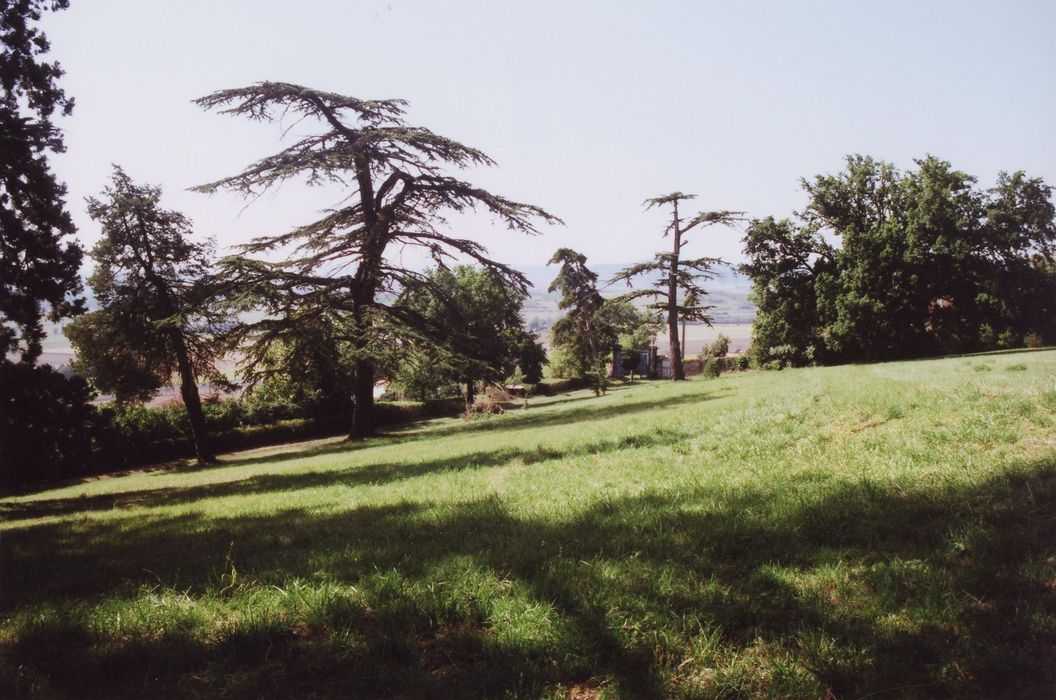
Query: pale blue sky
column 589, row 107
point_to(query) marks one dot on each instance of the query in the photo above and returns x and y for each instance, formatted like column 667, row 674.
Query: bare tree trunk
column 471, row 395
column 677, row 371
column 363, row 291
column 192, row 402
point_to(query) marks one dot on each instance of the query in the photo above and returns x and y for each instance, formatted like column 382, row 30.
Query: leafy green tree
column 397, row 196
column 582, row 333
column 38, row 268
column 311, row 367
column 155, row 321
column 636, row 328
column 787, row 262
column 472, row 320
column 926, row 262
column 424, row 375
column 720, row 347
column 676, row 275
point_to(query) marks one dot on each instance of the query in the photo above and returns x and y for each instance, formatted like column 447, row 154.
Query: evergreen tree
column 677, row 275
column 152, row 284
column 38, row 261
column 398, row 196
column 582, row 332
column 38, row 269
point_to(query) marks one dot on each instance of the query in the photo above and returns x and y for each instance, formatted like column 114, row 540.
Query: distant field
column 697, row 336
column 864, row 531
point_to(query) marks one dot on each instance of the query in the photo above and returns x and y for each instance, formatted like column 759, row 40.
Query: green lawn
column 870, row 531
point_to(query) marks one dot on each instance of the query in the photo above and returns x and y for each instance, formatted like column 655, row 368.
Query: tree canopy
column 399, row 195
column 38, row 261
column 38, row 268
column 152, row 283
column 884, row 264
column 582, row 332
column 473, row 326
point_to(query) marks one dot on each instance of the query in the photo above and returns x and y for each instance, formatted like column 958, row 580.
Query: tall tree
column 675, row 274
column 152, row 284
column 472, row 318
column 787, row 263
column 582, row 331
column 38, row 268
column 397, row 196
column 38, row 262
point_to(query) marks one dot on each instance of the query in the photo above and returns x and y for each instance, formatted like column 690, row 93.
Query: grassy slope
column 843, row 530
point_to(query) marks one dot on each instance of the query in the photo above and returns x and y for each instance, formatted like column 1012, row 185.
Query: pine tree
column 398, row 196
column 676, row 274
column 583, row 330
column 152, row 282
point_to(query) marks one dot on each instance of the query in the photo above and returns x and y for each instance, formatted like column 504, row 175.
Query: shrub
column 482, row 409
column 108, row 438
column 42, row 424
column 1033, row 340
column 1008, row 339
column 712, row 367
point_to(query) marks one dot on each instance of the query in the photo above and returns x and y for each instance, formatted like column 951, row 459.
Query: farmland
column 844, row 531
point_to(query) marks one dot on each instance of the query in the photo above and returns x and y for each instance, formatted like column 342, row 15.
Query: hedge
column 115, row 438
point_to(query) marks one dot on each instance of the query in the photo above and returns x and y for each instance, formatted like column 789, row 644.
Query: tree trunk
column 192, row 402
column 363, row 290
column 595, row 357
column 677, row 371
column 363, row 396
column 470, row 394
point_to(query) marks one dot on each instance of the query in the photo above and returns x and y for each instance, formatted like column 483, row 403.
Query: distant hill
column 728, row 292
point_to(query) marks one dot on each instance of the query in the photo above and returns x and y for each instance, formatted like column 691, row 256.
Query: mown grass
column 869, row 531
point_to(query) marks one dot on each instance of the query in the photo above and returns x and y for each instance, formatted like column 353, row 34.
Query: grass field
column 871, row 531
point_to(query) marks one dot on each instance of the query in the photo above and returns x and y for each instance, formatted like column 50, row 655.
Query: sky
column 589, row 108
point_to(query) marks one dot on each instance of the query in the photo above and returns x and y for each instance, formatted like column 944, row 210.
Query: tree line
column 881, row 264
column 884, row 264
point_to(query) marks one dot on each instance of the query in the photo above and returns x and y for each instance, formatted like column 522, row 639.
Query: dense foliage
column 38, row 268
column 470, row 324
column 38, row 262
column 582, row 335
column 884, row 264
column 68, row 438
column 310, row 367
column 156, row 319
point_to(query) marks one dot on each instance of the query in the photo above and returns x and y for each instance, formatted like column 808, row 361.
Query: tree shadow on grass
column 360, row 475
column 528, row 420
column 630, row 580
